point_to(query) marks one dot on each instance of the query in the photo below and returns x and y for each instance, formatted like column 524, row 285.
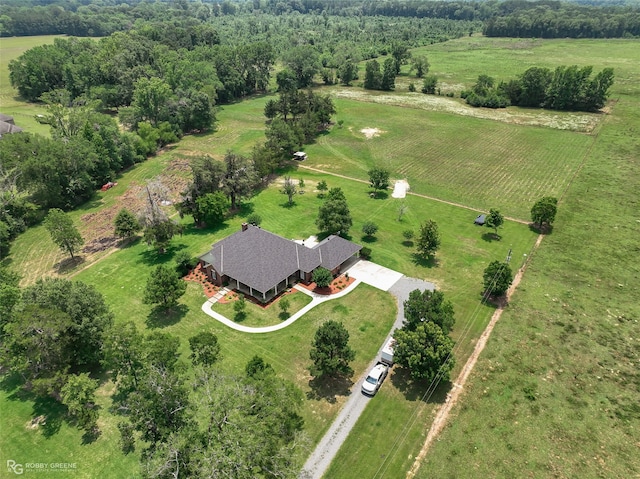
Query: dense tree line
column 190, row 78
column 569, row 88
column 554, row 19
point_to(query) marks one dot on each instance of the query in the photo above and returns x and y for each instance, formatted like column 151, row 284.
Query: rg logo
column 13, row 466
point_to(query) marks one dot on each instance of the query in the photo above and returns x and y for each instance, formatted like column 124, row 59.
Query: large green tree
column 429, row 306
column 248, row 427
column 428, row 239
column 373, row 76
column 63, row 232
column 330, row 350
column 388, row 81
column 164, row 287
column 543, row 212
column 211, row 209
column 425, row 352
column 87, row 308
column 126, row 224
column 334, row 215
column 78, row 394
column 239, row 179
column 124, row 354
column 37, row 346
column 497, row 278
column 205, row 348
column 378, row 179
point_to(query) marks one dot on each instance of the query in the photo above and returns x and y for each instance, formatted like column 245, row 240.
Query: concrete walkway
column 315, row 301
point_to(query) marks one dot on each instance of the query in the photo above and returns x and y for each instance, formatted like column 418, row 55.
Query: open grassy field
column 10, row 103
column 479, row 163
column 555, row 393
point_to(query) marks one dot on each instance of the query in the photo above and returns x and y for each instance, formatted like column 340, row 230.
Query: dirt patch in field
column 371, row 132
column 97, row 228
column 583, row 122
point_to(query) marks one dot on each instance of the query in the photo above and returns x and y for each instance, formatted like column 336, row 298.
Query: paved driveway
column 374, row 274
column 320, row 459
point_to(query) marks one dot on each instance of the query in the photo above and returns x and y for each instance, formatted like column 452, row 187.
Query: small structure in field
column 480, row 220
column 299, row 156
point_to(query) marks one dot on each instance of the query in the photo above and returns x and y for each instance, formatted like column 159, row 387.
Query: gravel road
column 328, row 447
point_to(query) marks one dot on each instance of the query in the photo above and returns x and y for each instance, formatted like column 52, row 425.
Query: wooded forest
column 512, row 18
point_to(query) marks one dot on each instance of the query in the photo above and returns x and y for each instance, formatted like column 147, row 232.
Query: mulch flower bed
column 198, row 276
column 337, row 285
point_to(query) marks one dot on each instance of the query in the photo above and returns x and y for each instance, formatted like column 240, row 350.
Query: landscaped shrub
column 185, row 263
column 365, row 253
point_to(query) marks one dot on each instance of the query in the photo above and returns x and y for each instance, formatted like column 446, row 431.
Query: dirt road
column 443, row 413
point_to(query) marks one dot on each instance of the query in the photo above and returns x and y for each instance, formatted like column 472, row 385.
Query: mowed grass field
column 479, row 163
column 555, row 393
column 10, row 103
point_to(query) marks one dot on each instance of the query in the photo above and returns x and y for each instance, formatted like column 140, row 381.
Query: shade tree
column 425, row 351
column 126, row 224
column 543, row 212
column 497, row 278
column 428, row 240
column 164, row 287
column 205, row 349
column 330, row 350
column 334, row 215
column 378, row 179
column 63, row 232
column 494, row 220
column 428, row 306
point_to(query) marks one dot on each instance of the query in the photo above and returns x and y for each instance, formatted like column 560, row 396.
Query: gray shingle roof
column 261, row 259
column 335, row 250
column 6, row 127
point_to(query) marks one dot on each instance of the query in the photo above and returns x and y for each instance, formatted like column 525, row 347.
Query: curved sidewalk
column 316, row 300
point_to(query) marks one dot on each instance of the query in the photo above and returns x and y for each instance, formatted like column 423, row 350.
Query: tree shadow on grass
column 239, row 317
column 369, row 239
column 414, row 390
column 407, row 243
column 288, row 205
column 430, row 262
column 155, row 257
column 68, row 264
column 379, row 195
column 541, row 230
column 328, row 388
column 91, row 436
column 490, row 237
column 160, row 317
column 48, row 415
column 284, row 315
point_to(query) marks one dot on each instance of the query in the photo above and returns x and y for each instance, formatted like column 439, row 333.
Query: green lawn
column 259, row 316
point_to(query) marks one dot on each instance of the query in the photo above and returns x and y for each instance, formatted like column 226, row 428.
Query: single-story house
column 480, row 220
column 263, row 264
